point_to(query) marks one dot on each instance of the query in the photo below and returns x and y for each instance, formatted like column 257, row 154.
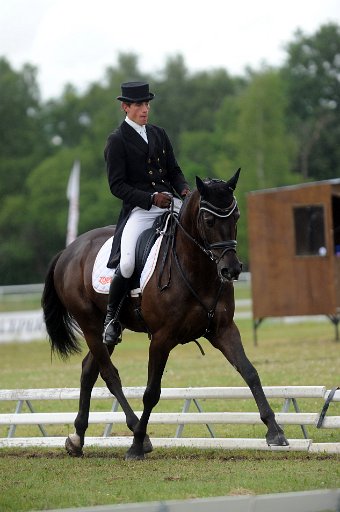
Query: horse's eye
column 209, row 219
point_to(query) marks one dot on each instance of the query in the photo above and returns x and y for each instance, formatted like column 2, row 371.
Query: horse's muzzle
column 229, row 272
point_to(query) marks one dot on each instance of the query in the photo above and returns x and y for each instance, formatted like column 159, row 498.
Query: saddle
column 144, row 245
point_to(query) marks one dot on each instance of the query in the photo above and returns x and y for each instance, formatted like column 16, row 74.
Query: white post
column 72, row 194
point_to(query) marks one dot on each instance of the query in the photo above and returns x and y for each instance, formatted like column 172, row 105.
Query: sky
column 74, row 41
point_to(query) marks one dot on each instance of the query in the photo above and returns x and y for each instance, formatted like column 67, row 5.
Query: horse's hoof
column 277, row 439
column 147, row 445
column 72, row 449
column 133, row 455
column 135, row 452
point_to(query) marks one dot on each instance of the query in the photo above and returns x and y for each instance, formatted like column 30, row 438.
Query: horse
column 190, row 295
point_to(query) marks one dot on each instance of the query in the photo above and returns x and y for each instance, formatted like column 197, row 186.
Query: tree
column 254, row 128
column 312, row 74
column 22, row 142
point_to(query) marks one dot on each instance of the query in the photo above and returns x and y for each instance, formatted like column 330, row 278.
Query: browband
column 219, row 212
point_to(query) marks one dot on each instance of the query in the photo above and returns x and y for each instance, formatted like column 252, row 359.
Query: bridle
column 207, row 248
column 226, row 245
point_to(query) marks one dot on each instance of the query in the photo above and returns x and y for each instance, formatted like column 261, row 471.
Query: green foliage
column 281, row 126
column 313, row 91
column 22, row 138
column 254, row 128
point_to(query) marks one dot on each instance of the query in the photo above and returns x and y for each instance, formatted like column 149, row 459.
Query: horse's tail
column 61, row 327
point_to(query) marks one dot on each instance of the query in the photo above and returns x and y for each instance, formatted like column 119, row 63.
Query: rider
column 143, row 172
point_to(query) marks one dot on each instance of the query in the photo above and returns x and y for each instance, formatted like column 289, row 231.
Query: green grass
column 50, row 479
column 287, row 354
column 19, row 302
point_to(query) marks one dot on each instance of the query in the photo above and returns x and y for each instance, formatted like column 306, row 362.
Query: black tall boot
column 118, row 289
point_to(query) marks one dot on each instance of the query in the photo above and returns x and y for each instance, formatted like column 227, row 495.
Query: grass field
column 287, row 354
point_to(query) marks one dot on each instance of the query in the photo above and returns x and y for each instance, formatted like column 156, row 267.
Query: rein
column 210, row 312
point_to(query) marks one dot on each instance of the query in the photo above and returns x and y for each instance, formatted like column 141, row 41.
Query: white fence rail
column 289, row 395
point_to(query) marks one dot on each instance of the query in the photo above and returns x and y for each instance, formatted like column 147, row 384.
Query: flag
column 72, row 195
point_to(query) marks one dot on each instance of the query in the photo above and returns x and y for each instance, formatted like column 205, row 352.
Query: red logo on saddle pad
column 105, row 280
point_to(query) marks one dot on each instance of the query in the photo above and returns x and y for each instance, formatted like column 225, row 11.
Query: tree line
column 281, row 125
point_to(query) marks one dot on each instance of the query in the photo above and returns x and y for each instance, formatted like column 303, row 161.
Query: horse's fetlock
column 81, row 426
column 268, row 418
column 139, row 435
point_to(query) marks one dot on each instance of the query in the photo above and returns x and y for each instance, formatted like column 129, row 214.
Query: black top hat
column 135, row 91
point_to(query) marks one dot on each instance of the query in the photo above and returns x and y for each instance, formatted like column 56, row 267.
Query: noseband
column 224, row 246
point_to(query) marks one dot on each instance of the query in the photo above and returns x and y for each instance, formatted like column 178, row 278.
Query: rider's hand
column 162, row 200
column 185, row 192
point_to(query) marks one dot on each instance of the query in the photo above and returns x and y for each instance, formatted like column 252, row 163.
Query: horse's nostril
column 225, row 273
column 230, row 274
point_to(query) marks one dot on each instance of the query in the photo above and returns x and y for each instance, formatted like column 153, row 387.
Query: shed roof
column 335, row 181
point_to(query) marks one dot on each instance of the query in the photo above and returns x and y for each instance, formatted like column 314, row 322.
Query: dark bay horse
column 197, row 263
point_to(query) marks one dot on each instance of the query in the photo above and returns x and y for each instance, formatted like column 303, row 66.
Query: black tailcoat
column 136, row 170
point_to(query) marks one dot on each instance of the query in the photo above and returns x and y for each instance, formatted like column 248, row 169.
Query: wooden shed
column 294, row 250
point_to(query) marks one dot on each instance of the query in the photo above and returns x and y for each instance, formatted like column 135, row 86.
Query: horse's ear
column 200, row 185
column 233, row 181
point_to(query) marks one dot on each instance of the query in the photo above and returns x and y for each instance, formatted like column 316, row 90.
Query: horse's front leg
column 158, row 356
column 228, row 341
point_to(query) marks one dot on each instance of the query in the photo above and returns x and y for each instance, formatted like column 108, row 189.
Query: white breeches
column 138, row 221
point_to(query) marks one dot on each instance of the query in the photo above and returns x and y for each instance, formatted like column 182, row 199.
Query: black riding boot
column 118, row 289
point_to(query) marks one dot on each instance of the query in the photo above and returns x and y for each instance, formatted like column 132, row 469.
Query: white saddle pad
column 102, row 276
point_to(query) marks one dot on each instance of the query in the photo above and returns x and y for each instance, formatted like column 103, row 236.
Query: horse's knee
column 151, row 396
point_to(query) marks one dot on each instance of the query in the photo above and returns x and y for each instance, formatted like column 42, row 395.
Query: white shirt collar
column 140, row 129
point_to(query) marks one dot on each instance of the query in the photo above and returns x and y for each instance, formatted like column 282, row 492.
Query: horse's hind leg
column 90, row 371
column 230, row 345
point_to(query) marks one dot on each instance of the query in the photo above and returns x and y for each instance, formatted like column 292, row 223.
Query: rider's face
column 137, row 112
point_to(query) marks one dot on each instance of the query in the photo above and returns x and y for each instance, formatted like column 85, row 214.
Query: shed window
column 336, row 223
column 309, row 223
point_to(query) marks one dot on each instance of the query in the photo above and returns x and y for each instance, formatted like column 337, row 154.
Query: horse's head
column 216, row 222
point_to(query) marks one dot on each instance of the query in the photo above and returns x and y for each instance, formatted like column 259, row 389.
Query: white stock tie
column 142, row 133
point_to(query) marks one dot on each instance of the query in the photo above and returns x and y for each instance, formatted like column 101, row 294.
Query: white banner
column 22, row 326
column 72, row 194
